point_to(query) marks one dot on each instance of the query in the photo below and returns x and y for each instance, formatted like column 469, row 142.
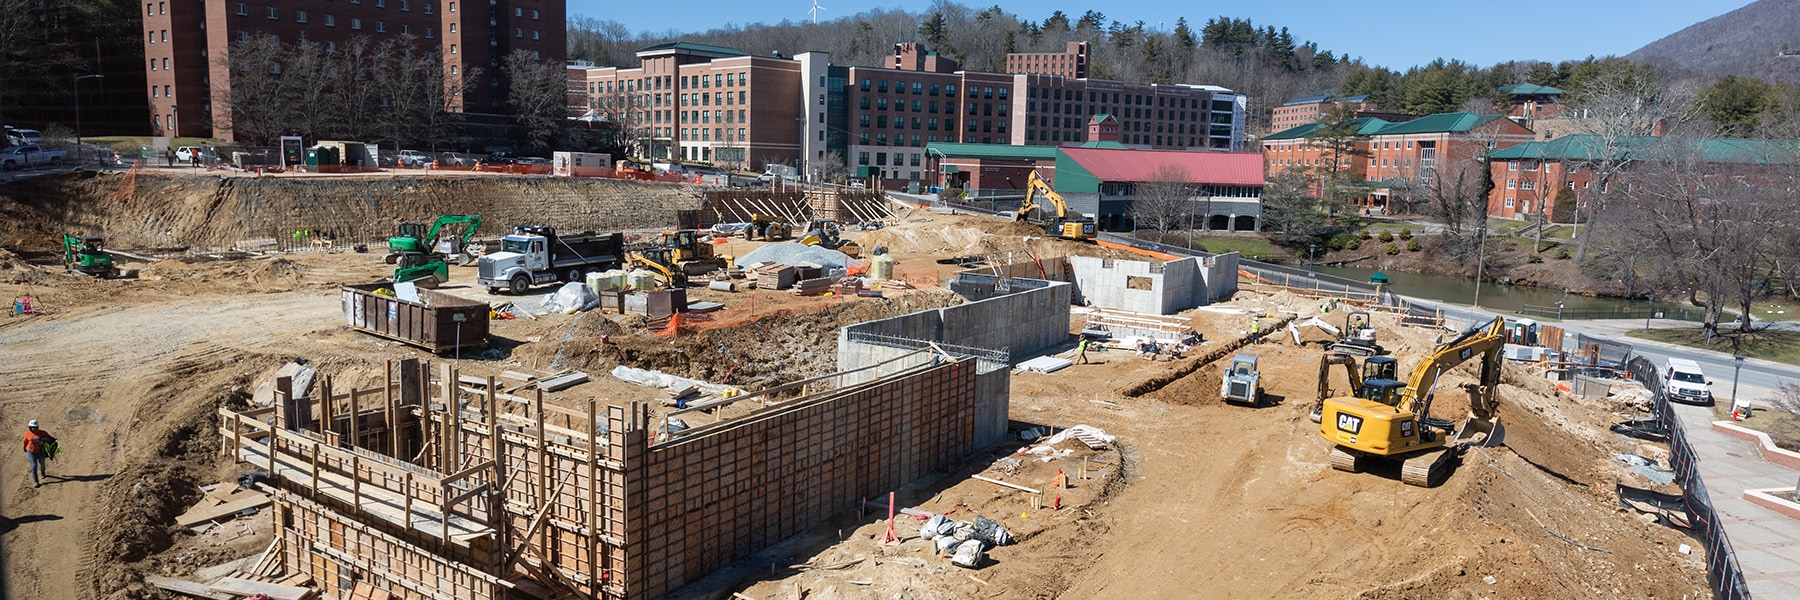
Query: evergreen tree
column 1737, row 104
column 1057, row 23
column 1184, row 36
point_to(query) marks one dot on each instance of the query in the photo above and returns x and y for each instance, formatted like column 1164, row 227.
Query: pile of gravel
column 794, row 254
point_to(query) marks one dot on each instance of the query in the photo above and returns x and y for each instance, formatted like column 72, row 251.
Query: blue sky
column 1391, row 33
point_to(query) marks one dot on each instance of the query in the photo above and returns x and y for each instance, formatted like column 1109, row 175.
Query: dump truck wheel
column 519, row 284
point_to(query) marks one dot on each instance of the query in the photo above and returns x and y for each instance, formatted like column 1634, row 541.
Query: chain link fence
column 1722, row 572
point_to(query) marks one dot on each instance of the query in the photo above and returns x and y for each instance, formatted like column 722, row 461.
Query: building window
column 1512, row 184
column 299, row 16
column 330, row 21
column 452, row 48
column 452, row 7
column 274, row 14
column 534, row 15
column 453, row 69
column 1512, row 165
column 380, row 3
column 518, row 12
column 356, row 24
column 452, row 28
column 405, row 5
column 518, row 32
column 429, row 34
column 534, row 34
column 406, row 29
column 243, row 36
column 428, row 8
column 863, row 87
column 243, row 9
column 862, row 158
column 1509, row 201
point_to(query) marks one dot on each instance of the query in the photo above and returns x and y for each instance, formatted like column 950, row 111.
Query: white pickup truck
column 19, row 157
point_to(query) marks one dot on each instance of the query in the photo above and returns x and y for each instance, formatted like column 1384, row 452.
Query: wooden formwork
column 799, row 207
column 446, row 489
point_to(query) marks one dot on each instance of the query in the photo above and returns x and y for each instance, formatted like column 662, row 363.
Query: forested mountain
column 1748, row 41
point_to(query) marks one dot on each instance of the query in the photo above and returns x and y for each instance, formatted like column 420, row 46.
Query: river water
column 1515, row 299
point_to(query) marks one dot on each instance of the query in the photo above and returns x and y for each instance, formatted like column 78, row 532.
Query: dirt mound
column 279, row 272
column 967, row 234
column 780, row 345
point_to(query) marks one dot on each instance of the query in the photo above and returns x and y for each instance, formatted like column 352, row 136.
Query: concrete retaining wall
column 1154, row 288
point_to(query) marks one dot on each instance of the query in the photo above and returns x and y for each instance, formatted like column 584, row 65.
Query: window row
column 243, row 9
column 900, row 158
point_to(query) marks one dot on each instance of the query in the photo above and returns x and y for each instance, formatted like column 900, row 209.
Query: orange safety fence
column 1150, row 253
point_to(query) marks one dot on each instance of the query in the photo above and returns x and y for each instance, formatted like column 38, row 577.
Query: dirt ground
column 1198, row 498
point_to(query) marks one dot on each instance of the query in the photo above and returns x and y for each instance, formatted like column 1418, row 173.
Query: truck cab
column 523, row 260
column 1684, row 382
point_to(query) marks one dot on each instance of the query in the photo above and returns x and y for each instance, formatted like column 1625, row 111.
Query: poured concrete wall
column 1028, row 317
column 1220, row 276
column 1154, row 288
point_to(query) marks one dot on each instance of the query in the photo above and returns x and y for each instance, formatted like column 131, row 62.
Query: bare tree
column 1616, row 109
column 539, row 95
column 1165, row 199
column 832, row 166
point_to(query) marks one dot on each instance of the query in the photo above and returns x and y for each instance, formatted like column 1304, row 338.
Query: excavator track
column 1426, row 469
column 1345, row 461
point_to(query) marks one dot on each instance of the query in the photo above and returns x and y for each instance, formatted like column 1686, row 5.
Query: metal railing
column 1722, row 572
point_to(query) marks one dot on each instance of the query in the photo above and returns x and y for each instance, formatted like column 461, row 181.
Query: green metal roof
column 1365, row 126
column 1072, row 178
column 1110, row 144
column 1644, row 147
column 1452, row 122
column 1530, row 89
column 960, row 150
column 696, row 48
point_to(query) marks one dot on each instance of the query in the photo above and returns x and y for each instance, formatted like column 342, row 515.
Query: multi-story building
column 1072, row 63
column 187, row 44
column 1529, row 102
column 880, row 119
column 1394, row 156
column 1528, row 178
column 699, row 102
column 1301, row 111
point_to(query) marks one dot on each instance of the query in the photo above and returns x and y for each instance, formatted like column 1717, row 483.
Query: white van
column 1683, row 382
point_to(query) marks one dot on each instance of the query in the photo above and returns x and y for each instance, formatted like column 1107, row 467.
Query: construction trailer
column 446, row 487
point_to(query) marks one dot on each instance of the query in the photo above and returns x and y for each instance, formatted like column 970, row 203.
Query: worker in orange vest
column 40, row 447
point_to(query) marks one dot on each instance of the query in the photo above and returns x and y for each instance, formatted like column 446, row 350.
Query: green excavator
column 86, row 254
column 421, row 257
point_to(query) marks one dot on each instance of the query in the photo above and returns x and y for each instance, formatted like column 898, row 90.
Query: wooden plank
column 185, row 588
column 244, row 587
column 209, row 513
column 1002, row 483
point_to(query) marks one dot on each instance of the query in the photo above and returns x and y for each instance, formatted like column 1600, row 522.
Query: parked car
column 203, row 154
column 23, row 137
column 19, row 157
column 532, row 160
column 414, row 158
column 500, row 158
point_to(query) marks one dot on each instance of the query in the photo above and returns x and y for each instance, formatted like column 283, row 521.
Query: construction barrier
column 1722, row 572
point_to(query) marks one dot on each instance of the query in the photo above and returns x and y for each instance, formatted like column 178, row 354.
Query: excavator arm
column 1485, row 341
column 473, row 222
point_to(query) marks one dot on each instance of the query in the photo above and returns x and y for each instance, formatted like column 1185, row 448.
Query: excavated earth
column 1198, row 498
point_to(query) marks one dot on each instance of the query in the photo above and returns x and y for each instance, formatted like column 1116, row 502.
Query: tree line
column 389, row 90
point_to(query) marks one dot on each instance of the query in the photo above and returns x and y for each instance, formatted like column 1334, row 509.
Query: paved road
column 1758, row 379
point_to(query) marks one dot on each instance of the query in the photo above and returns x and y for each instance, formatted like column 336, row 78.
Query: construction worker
column 40, row 447
column 1081, row 351
column 1256, row 331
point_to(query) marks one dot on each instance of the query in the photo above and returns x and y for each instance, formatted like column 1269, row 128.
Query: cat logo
column 1349, row 423
column 1406, row 428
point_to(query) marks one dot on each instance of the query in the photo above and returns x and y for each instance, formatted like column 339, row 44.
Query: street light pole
column 77, row 93
column 1311, row 249
column 1649, row 311
column 1736, row 366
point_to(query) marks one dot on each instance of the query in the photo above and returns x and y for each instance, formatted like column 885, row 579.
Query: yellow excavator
column 1389, row 420
column 1066, row 224
column 1375, row 367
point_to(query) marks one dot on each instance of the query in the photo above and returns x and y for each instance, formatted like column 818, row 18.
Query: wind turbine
column 815, row 11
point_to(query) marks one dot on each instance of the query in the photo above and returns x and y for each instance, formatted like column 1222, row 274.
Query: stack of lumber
column 775, row 277
column 252, row 575
column 847, row 287
column 813, row 287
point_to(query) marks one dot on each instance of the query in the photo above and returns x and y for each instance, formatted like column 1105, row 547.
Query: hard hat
column 33, row 423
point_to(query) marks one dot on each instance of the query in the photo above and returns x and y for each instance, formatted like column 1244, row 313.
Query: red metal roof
column 1215, row 168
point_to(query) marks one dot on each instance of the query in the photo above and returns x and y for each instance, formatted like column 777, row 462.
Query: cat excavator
column 1390, row 420
column 1374, row 367
column 1066, row 224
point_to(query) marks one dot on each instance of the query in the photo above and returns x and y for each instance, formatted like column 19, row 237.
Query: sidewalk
column 1767, row 543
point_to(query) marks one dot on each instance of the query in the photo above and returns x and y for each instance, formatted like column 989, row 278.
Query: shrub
column 1386, row 236
column 1535, row 258
column 1414, row 246
column 1562, row 254
column 1363, row 235
column 1406, row 234
column 1353, row 245
column 1393, row 249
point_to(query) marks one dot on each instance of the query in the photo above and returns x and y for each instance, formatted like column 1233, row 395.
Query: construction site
column 869, row 399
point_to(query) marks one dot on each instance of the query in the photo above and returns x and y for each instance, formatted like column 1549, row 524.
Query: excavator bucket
column 1481, row 433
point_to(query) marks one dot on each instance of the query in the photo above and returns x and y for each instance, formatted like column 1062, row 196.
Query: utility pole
column 1649, row 311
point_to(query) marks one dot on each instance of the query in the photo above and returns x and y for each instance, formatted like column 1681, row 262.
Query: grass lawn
column 1248, row 247
column 1778, row 346
column 1783, row 427
column 130, row 143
